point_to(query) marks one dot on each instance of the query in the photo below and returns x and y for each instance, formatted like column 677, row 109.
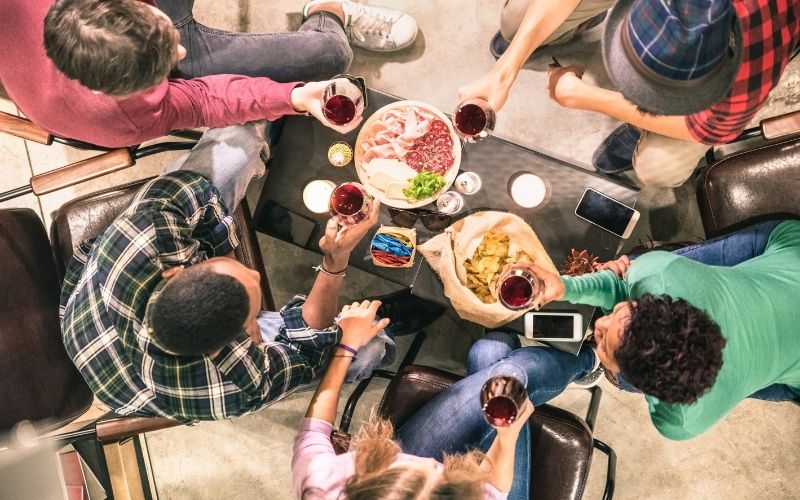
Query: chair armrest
column 781, row 126
column 24, row 129
column 119, row 428
column 82, row 171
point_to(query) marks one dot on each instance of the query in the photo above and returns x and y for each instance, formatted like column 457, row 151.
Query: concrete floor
column 753, row 453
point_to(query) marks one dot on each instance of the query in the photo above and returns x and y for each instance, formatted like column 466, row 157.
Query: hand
column 356, row 321
column 493, row 87
column 565, row 84
column 619, row 266
column 553, row 288
column 512, row 431
column 308, row 98
column 337, row 243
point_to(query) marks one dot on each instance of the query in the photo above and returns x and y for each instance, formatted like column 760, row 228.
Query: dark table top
column 301, row 156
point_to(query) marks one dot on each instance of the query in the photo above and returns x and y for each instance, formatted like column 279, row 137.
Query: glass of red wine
column 344, row 99
column 350, row 203
column 517, row 288
column 503, row 396
column 474, row 119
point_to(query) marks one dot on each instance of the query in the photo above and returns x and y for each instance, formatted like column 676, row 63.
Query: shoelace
column 366, row 22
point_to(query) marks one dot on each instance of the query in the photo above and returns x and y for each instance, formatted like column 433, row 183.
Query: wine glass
column 342, row 101
column 503, row 395
column 350, row 203
column 517, row 288
column 474, row 119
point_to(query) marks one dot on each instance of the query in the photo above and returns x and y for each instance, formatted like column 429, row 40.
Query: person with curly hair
column 382, row 468
column 697, row 330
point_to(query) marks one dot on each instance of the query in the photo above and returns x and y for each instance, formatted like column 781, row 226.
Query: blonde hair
column 375, row 451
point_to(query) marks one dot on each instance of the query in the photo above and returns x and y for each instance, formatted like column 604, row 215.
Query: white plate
column 449, row 177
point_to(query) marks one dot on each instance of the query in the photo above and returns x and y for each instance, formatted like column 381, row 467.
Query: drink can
column 450, row 202
column 468, row 183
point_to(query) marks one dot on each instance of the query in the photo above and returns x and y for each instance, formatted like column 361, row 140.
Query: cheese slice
column 394, row 190
column 381, row 179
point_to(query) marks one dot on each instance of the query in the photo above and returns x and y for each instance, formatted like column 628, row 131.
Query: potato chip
column 490, row 259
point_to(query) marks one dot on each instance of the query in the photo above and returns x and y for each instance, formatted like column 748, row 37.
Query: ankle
column 334, row 8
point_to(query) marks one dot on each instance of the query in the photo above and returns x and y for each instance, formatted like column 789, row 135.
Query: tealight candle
column 528, row 190
column 317, row 194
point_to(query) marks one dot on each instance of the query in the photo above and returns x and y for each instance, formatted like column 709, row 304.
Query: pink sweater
column 66, row 108
column 319, row 473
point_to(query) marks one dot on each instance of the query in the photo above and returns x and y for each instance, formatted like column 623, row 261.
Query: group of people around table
column 161, row 320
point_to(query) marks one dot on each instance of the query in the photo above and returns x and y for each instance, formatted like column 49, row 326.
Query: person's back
column 755, row 305
column 42, row 92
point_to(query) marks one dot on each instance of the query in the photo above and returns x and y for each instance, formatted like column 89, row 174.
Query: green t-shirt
column 756, row 304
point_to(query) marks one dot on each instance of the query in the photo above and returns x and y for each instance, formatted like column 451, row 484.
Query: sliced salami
column 438, row 127
column 415, row 160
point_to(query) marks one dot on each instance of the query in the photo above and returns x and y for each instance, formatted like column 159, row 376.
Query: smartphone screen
column 605, row 212
column 283, row 223
column 553, row 326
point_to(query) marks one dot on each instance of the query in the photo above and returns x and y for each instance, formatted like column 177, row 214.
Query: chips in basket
column 490, row 259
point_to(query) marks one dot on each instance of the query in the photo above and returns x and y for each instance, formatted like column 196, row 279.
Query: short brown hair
column 461, row 478
column 117, row 47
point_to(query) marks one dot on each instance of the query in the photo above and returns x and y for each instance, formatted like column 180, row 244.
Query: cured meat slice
column 415, row 160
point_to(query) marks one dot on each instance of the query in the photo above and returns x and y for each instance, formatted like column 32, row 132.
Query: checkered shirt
column 176, row 219
column 770, row 32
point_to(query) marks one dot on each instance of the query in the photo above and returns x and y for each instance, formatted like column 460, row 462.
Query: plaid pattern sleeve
column 270, row 371
column 770, row 33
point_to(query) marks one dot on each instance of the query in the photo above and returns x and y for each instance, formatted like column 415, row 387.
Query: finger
column 625, row 260
column 355, row 304
column 364, row 304
column 346, row 308
column 331, row 228
column 380, row 325
column 375, row 213
column 374, row 305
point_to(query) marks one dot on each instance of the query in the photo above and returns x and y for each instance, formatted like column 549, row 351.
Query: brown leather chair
column 562, row 443
column 38, row 381
column 753, row 185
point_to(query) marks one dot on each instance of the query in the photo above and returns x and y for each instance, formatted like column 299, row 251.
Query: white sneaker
column 374, row 28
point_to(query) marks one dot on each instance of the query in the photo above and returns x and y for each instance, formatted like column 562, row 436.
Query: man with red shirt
column 128, row 47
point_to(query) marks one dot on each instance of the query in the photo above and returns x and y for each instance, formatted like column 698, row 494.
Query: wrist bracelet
column 347, row 348
column 321, row 269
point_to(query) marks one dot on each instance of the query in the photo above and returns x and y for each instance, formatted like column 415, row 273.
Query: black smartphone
column 606, row 212
column 286, row 224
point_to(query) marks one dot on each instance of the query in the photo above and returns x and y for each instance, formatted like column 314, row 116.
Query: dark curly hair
column 670, row 349
column 198, row 311
column 118, row 47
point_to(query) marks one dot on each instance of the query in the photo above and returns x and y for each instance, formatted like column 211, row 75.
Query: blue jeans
column 317, row 51
column 453, row 421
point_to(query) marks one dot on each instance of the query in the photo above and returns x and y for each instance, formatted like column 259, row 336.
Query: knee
column 655, row 178
column 332, row 56
column 493, row 347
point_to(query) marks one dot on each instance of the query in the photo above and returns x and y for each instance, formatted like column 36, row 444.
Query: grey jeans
column 317, row 51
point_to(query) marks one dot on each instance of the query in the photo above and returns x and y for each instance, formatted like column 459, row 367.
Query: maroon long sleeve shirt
column 67, row 108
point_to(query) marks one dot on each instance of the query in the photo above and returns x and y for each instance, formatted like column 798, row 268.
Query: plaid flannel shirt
column 770, row 32
column 176, row 219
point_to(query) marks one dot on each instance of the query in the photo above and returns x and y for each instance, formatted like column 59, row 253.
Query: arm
column 541, row 19
column 570, row 91
column 500, row 456
column 336, row 244
column 601, row 289
column 357, row 330
column 222, row 100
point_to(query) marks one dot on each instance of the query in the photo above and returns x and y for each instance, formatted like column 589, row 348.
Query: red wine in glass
column 350, row 203
column 342, row 100
column 517, row 288
column 502, row 400
column 339, row 109
column 474, row 119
